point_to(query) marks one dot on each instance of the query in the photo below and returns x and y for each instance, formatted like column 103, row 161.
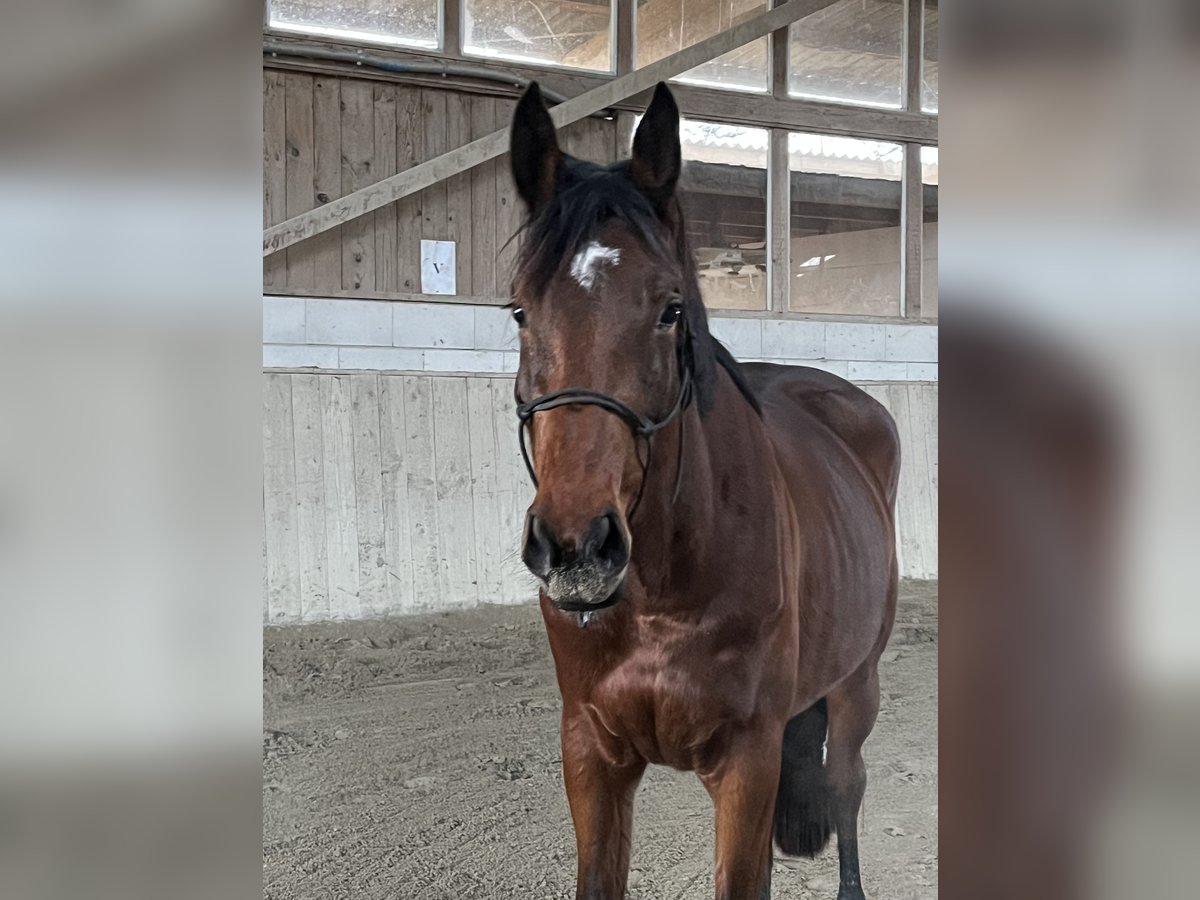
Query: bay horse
column 714, row 541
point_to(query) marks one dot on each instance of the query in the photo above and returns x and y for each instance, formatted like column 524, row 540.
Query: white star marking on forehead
column 585, row 267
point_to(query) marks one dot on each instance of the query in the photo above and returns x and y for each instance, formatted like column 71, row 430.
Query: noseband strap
column 643, row 429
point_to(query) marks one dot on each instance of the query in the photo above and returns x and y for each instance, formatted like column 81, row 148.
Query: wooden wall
column 388, row 494
column 325, row 136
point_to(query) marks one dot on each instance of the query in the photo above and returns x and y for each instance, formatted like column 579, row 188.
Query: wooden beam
column 695, row 102
column 913, row 51
column 913, row 194
column 625, row 37
column 807, row 187
column 761, row 111
column 779, row 211
column 913, row 209
column 451, row 11
column 779, row 62
column 372, row 197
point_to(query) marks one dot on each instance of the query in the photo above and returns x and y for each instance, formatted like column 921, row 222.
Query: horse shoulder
column 793, row 396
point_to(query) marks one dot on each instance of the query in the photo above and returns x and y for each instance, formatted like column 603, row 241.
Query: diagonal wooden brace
column 426, row 174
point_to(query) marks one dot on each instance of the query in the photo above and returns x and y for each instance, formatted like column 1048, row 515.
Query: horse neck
column 681, row 541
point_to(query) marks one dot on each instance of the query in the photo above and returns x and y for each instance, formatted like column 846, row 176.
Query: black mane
column 587, row 197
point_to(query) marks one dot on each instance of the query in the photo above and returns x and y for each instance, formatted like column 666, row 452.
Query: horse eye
column 672, row 314
column 518, row 315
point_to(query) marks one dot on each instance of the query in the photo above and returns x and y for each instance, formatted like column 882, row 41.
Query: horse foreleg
column 600, row 791
column 852, row 708
column 743, row 789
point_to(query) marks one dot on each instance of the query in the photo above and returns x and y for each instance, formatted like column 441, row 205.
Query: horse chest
column 671, row 710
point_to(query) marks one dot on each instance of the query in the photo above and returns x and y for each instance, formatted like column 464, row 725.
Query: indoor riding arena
column 411, row 739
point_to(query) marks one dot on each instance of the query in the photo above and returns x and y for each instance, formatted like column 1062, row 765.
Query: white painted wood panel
column 310, row 496
column 488, row 506
column 456, row 546
column 406, row 493
column 279, row 501
column 397, row 525
column 374, row 596
column 341, row 499
column 422, row 492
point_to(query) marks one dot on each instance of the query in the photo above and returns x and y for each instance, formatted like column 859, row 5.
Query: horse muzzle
column 578, row 575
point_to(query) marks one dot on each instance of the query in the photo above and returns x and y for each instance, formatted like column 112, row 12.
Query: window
column 573, row 33
column 664, row 27
column 724, row 195
column 412, row 23
column 929, row 241
column 850, row 52
column 845, row 225
column 929, row 82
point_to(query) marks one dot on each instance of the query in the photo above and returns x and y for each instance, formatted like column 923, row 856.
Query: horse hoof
column 851, row 892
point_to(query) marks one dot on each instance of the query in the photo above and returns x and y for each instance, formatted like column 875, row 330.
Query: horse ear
column 533, row 150
column 656, row 158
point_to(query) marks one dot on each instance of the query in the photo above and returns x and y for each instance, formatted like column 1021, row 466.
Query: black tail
column 802, row 809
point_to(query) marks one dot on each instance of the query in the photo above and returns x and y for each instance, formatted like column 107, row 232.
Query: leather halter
column 643, row 429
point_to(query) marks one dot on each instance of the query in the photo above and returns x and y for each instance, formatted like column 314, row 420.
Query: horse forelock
column 589, row 197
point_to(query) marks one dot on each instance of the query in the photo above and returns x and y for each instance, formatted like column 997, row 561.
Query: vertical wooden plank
column 274, row 173
column 341, row 519
column 779, row 212
column 397, row 524
column 326, row 248
column 483, row 204
column 912, row 215
column 625, row 123
column 779, row 59
column 597, row 149
column 386, row 259
column 266, row 594
column 298, row 139
column 919, row 488
column 368, row 487
column 914, row 50
column 907, row 512
column 358, row 151
column 452, row 38
column 310, row 496
column 626, row 38
column 279, row 499
column 508, row 211
column 433, row 199
column 486, row 492
column 410, row 149
column 457, row 549
column 923, row 401
column 570, row 138
column 517, row 494
column 422, row 490
column 458, row 193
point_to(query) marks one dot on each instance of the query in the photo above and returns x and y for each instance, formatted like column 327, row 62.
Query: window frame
column 910, row 126
column 355, row 37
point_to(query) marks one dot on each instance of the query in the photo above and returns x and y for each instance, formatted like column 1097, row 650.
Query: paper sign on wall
column 437, row 267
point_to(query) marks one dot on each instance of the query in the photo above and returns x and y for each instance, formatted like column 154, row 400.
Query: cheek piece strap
column 643, row 429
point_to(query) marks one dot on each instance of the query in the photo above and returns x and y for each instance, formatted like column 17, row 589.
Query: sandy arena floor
column 418, row 758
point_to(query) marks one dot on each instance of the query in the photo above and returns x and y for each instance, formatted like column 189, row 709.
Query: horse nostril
column 541, row 553
column 605, row 542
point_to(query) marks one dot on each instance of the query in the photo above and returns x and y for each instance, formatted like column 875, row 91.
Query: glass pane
column 574, row 33
column 846, row 239
column 664, row 27
column 412, row 23
column 850, row 52
column 929, row 85
column 724, row 195
column 929, row 254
